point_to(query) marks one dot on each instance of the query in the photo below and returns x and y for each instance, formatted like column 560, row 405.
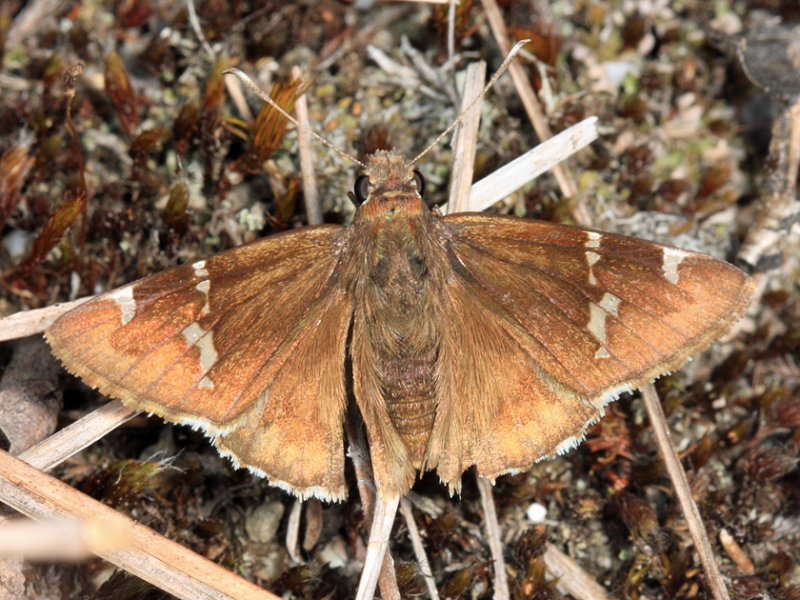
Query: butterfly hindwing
column 218, row 343
column 294, row 434
column 573, row 317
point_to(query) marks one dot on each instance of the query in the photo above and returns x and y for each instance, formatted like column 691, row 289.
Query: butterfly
column 465, row 339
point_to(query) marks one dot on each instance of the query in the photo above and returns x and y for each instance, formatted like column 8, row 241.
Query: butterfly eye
column 361, row 189
column 419, row 180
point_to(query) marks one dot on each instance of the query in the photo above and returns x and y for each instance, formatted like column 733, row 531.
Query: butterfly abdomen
column 408, row 387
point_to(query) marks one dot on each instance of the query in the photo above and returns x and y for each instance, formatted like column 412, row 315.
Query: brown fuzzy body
column 397, row 269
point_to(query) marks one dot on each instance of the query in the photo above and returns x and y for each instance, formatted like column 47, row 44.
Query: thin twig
column 70, row 440
column 501, row 591
column 198, row 31
column 379, row 534
column 424, row 504
column 506, row 64
column 310, row 192
column 451, row 41
column 436, row 78
column 378, row 23
column 572, row 579
column 234, row 90
column 146, row 554
column 522, row 170
column 359, row 455
column 678, row 477
column 30, row 322
column 57, row 540
column 467, row 140
column 237, row 97
column 419, row 548
column 387, row 581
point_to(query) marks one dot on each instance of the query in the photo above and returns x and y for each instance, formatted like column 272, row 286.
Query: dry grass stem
column 534, row 162
column 31, row 322
column 419, row 548
column 146, row 554
column 310, row 190
column 198, row 31
column 501, row 591
column 467, row 140
column 72, row 439
column 57, row 540
column 358, row 452
column 572, row 579
column 676, row 473
column 379, row 533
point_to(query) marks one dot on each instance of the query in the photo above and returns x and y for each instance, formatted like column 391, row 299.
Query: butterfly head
column 387, row 181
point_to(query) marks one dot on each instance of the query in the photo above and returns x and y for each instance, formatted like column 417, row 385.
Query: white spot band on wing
column 672, row 258
column 597, row 322
column 594, row 239
column 204, row 287
column 610, row 302
column 609, row 305
column 127, row 305
column 591, row 259
column 200, row 269
column 197, row 336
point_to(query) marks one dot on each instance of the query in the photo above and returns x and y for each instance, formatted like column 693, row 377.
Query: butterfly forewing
column 599, row 309
column 571, row 318
column 210, row 344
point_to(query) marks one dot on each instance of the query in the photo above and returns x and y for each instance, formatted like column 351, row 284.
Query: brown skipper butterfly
column 470, row 339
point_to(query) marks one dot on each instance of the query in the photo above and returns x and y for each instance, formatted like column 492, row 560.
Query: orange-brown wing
column 247, row 345
column 550, row 323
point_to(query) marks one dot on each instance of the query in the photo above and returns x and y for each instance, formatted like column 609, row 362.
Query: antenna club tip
column 518, row 46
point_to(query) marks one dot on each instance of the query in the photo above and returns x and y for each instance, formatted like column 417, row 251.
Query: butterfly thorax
column 398, row 308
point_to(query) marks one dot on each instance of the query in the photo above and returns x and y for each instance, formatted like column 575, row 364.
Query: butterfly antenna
column 244, row 78
column 514, row 51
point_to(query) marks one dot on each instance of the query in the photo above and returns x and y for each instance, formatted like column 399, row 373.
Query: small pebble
column 536, row 513
column 263, row 522
column 334, row 553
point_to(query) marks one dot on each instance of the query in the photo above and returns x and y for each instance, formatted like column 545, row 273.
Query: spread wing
column 550, row 323
column 248, row 345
